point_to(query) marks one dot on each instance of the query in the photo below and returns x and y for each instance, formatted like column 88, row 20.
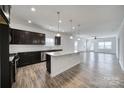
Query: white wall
column 81, row 44
column 117, row 47
column 121, row 45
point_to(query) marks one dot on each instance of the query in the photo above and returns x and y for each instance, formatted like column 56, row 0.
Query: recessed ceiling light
column 71, row 37
column 50, row 27
column 33, row 9
column 63, row 31
column 79, row 39
column 29, row 21
column 60, row 21
column 73, row 27
column 58, row 35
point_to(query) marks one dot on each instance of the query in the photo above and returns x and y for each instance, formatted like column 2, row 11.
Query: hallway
column 97, row 70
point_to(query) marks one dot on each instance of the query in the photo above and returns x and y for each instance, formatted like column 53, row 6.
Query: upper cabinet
column 57, row 40
column 5, row 14
column 26, row 37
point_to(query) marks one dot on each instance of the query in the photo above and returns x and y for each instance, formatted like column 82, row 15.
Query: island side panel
column 62, row 63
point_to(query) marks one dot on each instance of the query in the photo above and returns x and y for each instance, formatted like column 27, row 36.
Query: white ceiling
column 94, row 20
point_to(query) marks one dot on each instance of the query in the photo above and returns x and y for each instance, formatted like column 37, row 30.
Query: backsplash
column 26, row 48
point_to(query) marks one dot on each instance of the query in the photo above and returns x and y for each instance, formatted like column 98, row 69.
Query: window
column 105, row 45
column 108, row 45
column 101, row 45
column 92, row 46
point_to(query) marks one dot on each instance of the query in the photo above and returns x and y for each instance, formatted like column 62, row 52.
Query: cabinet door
column 57, row 40
column 43, row 39
column 26, row 37
column 36, row 38
column 29, row 58
column 17, row 37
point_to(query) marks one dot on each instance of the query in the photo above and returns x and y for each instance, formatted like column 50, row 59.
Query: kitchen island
column 58, row 62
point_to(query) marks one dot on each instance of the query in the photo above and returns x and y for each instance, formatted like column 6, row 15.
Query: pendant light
column 78, row 27
column 71, row 37
column 59, row 21
column 78, row 31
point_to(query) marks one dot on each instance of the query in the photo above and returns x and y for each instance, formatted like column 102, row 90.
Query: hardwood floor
column 97, row 70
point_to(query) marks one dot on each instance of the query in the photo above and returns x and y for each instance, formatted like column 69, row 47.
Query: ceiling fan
column 96, row 37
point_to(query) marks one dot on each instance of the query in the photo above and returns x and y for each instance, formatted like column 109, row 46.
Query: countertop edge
column 50, row 50
column 62, row 54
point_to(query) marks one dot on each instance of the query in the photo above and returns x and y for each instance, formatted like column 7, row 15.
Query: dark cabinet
column 57, row 40
column 5, row 79
column 12, row 71
column 48, row 63
column 5, row 74
column 26, row 37
column 28, row 58
column 37, row 38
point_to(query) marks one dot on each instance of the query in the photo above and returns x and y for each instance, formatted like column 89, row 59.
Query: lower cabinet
column 28, row 58
column 57, row 40
column 48, row 63
column 13, row 74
